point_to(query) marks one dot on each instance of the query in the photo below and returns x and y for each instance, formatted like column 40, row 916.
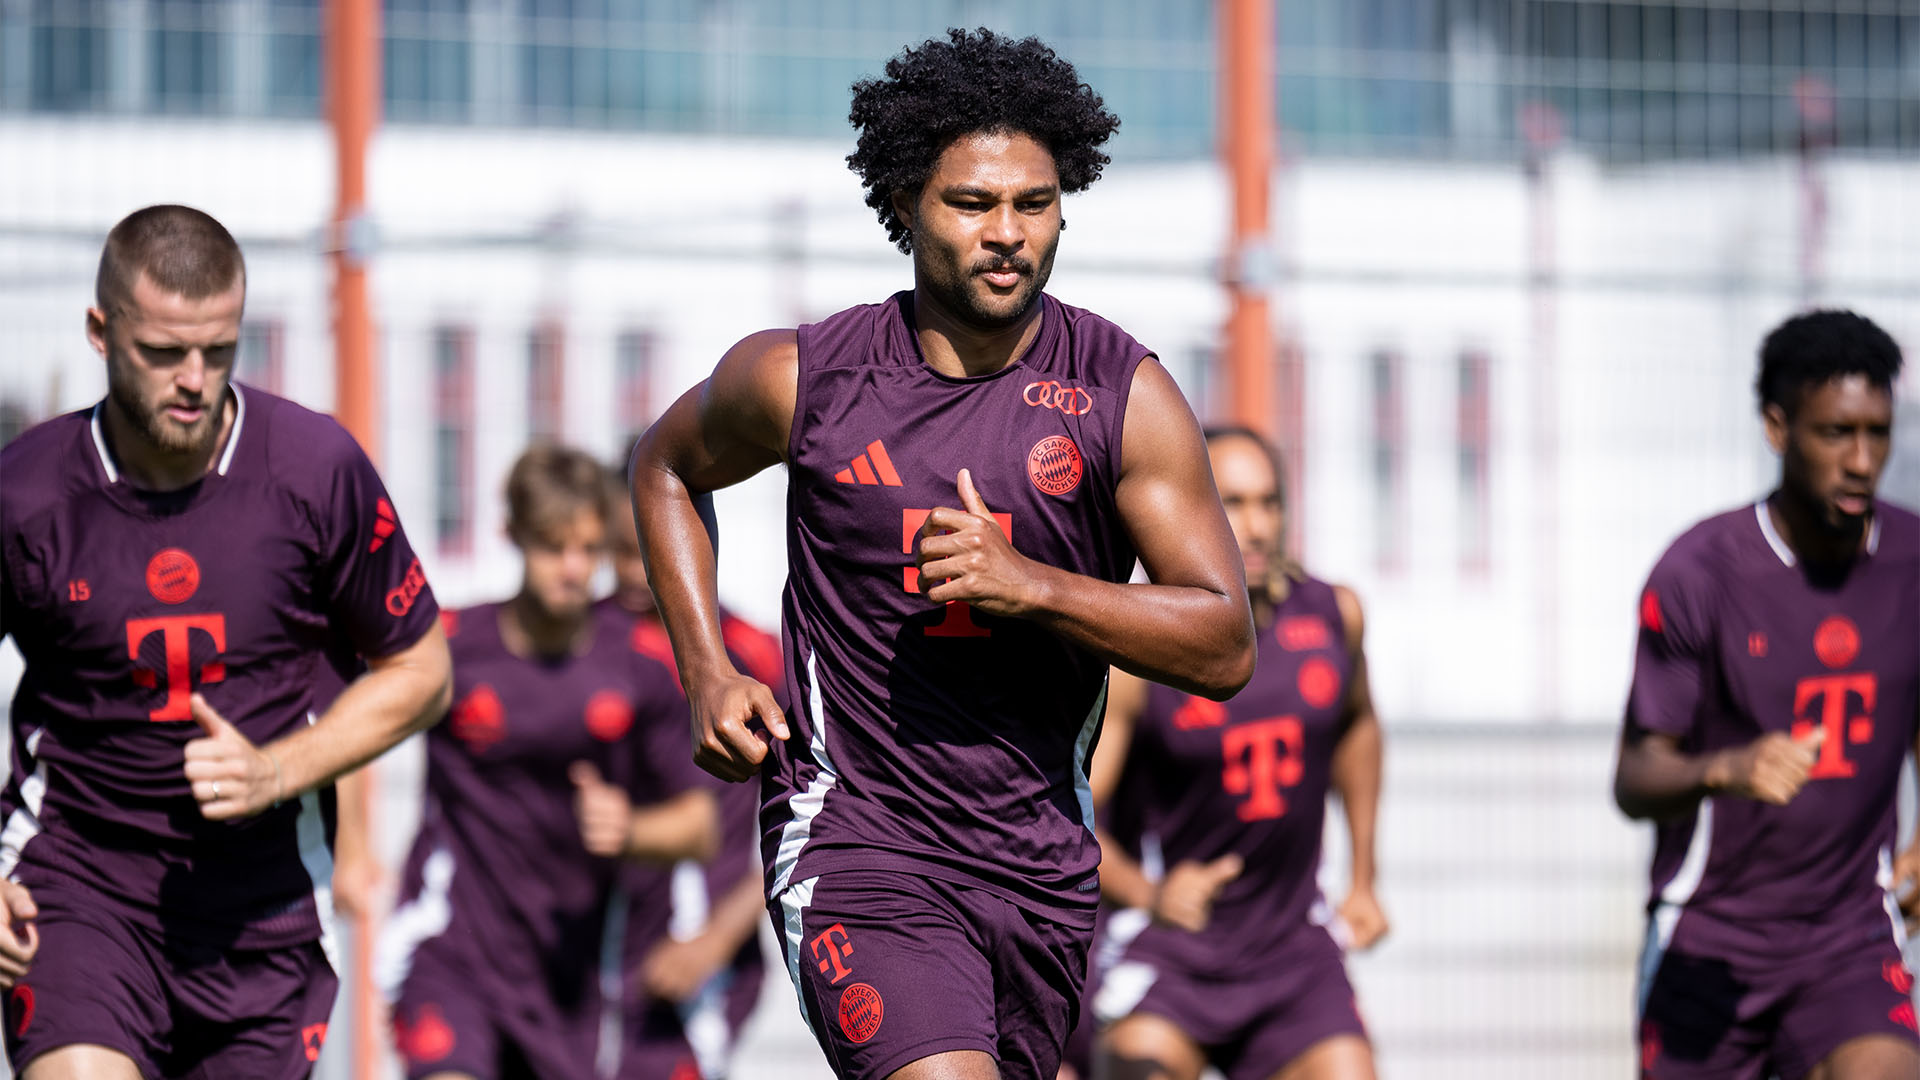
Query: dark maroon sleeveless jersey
column 932, row 739
column 125, row 603
column 1250, row 776
column 1737, row 639
column 498, row 869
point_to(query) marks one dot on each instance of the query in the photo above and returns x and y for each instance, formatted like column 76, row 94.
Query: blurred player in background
column 1776, row 690
column 973, row 467
column 1231, row 958
column 175, row 564
column 503, row 957
column 693, row 950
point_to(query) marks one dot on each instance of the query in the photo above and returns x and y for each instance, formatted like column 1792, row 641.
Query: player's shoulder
column 295, row 445
column 473, row 631
column 1899, row 530
column 1098, row 341
column 47, row 462
column 858, row 335
column 1714, row 547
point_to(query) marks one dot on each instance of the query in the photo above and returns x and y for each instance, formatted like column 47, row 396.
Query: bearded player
column 1231, row 958
column 505, row 956
column 1776, row 690
column 177, row 563
column 973, row 468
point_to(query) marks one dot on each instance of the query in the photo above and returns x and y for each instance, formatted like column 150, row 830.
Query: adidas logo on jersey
column 385, row 521
column 872, row 467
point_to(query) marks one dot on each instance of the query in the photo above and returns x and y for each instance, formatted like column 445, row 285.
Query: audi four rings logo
column 1071, row 400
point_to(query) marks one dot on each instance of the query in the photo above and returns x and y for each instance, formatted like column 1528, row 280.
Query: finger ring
column 216, row 790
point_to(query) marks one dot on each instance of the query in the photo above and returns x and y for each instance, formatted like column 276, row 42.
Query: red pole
column 353, row 102
column 1246, row 134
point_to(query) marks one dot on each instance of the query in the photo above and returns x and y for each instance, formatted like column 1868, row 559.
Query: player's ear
column 97, row 330
column 904, row 204
column 1775, row 416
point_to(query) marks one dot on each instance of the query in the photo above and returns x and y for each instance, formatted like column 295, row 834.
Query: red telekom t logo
column 176, row 632
column 830, row 953
column 959, row 619
column 1255, row 767
column 1838, row 729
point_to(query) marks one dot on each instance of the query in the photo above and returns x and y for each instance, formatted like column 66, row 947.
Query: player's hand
column 726, row 742
column 676, row 970
column 1366, row 923
column 231, row 777
column 963, row 555
column 1906, row 886
column 1771, row 769
column 1185, row 897
column 19, row 938
column 605, row 812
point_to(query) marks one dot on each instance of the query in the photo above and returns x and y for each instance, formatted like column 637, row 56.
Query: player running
column 176, row 563
column 973, row 467
column 1776, row 690
column 1239, row 969
column 693, row 950
column 503, row 958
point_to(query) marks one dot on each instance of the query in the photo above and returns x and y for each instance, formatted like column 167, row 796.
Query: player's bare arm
column 399, row 695
column 1189, row 627
column 1356, row 778
column 357, row 874
column 675, row 970
column 1657, row 780
column 721, row 432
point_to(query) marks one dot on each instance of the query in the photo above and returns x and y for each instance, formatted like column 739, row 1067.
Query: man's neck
column 151, row 468
column 1809, row 539
column 957, row 350
column 529, row 630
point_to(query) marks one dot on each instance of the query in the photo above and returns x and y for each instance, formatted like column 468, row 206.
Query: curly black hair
column 976, row 81
column 1811, row 349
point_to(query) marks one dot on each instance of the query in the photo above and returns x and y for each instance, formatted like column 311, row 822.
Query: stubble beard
column 164, row 433
column 952, row 281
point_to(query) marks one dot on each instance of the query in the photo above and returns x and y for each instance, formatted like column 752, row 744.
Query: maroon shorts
column 1250, row 1023
column 892, row 968
column 1728, row 1003
column 178, row 1009
column 453, row 1015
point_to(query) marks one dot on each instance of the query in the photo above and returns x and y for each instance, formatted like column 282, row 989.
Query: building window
column 263, row 354
column 453, row 439
column 633, row 357
column 1474, row 445
column 68, row 58
column 546, row 382
column 1388, row 461
column 185, row 59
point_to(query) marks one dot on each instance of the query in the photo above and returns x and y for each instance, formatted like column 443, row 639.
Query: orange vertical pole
column 353, row 97
column 353, row 68
column 1246, row 134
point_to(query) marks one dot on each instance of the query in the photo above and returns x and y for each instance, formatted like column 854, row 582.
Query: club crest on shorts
column 1054, row 465
column 860, row 1012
